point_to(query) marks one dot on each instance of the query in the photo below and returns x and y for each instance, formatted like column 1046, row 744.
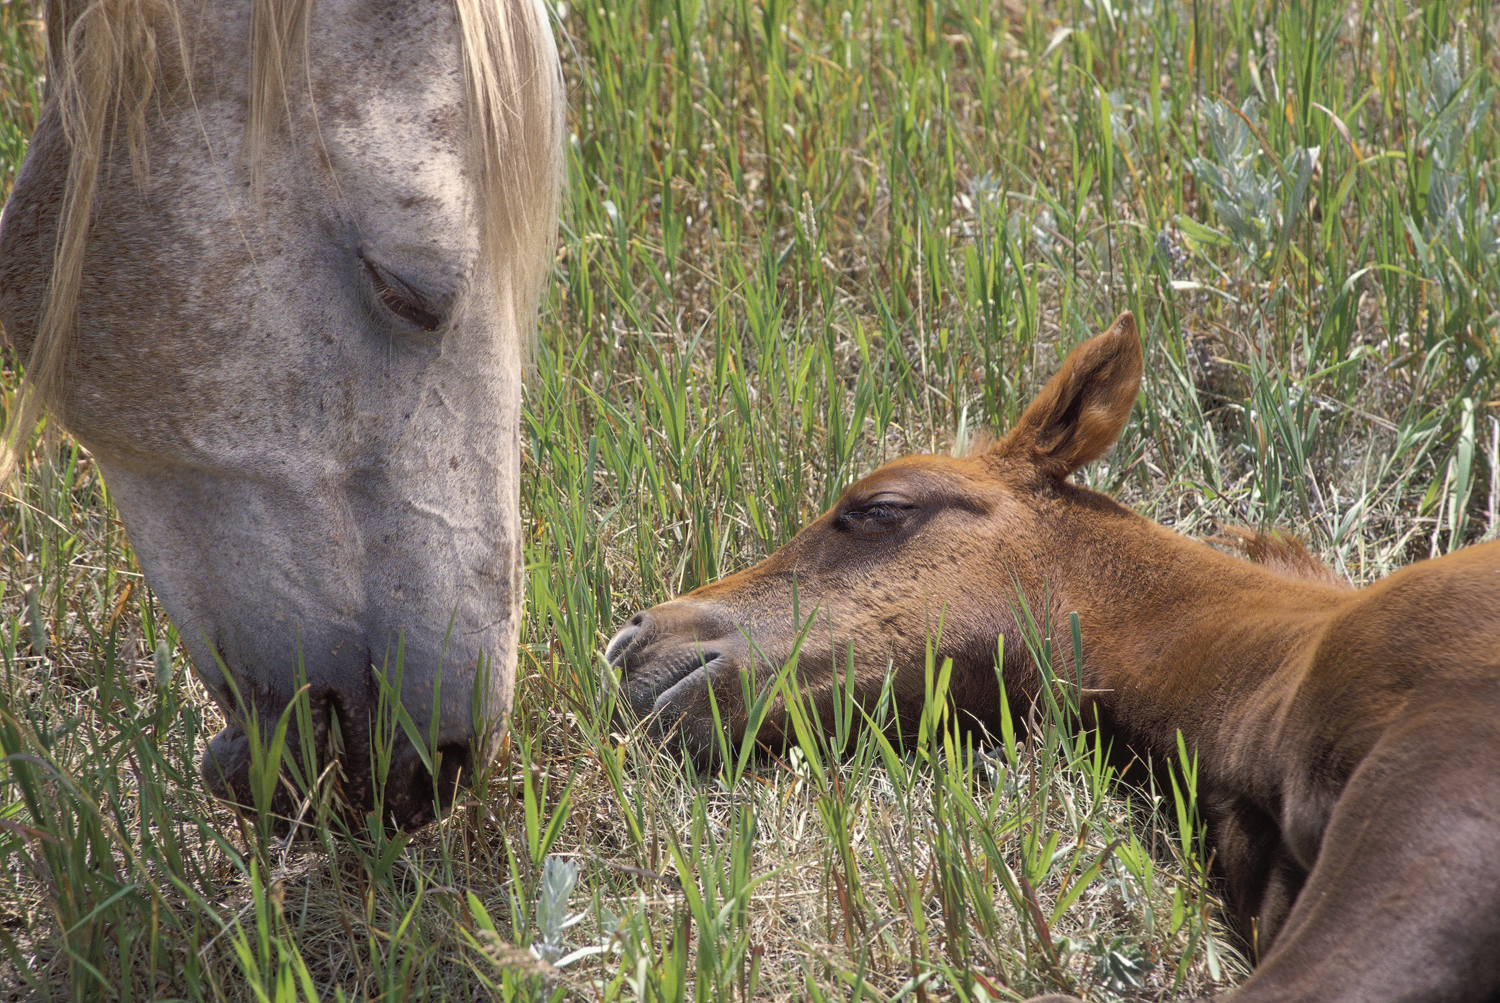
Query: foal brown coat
column 1349, row 740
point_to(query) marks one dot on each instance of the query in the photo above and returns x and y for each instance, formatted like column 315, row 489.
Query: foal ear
column 1079, row 413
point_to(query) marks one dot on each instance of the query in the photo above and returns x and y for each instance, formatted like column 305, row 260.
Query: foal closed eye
column 875, row 514
column 401, row 299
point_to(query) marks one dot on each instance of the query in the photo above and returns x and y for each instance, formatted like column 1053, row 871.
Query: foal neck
column 1176, row 635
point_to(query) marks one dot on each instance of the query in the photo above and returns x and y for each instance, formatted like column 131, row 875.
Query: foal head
column 925, row 548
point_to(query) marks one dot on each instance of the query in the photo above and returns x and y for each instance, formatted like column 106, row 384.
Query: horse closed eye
column 401, row 300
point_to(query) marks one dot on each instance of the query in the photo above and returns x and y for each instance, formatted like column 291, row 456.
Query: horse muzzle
column 350, row 725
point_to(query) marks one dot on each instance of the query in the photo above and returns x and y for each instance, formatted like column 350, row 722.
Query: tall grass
column 802, row 238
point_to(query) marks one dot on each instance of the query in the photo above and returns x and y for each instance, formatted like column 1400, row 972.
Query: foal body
column 1348, row 739
column 1347, row 743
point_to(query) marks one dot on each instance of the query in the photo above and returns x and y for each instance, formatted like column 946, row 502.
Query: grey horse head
column 289, row 322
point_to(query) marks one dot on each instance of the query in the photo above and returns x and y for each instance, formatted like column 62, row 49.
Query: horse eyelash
column 409, row 307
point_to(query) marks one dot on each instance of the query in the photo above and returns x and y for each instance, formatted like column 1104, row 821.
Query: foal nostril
column 614, row 653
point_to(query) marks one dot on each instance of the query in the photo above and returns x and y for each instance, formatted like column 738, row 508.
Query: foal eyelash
column 857, row 516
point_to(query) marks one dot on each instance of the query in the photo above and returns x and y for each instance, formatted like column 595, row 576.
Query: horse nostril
column 453, row 770
column 328, row 729
column 638, row 619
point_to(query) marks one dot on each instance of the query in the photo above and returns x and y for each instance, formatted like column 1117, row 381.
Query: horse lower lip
column 227, row 737
column 226, row 761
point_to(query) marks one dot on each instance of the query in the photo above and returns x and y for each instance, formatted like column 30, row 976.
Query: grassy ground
column 801, row 238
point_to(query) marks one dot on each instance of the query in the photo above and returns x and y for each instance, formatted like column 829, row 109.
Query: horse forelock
column 515, row 114
column 106, row 63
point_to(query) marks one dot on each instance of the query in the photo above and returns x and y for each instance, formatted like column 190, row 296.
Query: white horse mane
column 107, row 59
